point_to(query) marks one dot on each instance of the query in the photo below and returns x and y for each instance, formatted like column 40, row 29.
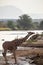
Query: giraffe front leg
column 14, row 56
column 4, row 55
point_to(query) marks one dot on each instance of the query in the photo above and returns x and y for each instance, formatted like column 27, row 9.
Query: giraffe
column 12, row 45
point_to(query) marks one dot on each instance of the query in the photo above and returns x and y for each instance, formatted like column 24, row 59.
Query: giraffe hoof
column 7, row 63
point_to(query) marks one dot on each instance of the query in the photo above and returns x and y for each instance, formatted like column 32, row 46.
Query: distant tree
column 1, row 23
column 24, row 22
column 10, row 24
column 41, row 25
column 35, row 25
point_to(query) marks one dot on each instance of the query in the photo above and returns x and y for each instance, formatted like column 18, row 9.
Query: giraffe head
column 30, row 33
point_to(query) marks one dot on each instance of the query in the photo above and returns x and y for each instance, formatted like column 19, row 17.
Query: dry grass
column 5, row 29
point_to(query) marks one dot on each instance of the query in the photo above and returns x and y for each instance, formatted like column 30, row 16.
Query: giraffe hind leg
column 4, row 55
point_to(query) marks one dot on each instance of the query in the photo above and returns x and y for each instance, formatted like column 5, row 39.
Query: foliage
column 2, row 24
column 41, row 25
column 25, row 22
column 10, row 24
column 35, row 25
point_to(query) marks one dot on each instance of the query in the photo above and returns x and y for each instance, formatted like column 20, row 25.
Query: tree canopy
column 41, row 25
column 10, row 24
column 24, row 22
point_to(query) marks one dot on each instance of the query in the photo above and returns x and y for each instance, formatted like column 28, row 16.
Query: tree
column 35, row 25
column 2, row 24
column 10, row 24
column 41, row 25
column 24, row 22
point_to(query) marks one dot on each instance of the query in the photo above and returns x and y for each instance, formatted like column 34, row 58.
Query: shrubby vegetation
column 41, row 25
column 23, row 23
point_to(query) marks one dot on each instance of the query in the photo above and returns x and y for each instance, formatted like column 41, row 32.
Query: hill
column 9, row 12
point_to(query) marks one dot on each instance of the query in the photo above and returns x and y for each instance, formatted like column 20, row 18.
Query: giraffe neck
column 26, row 37
column 20, row 41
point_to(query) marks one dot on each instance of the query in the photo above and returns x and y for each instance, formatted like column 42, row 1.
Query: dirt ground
column 26, row 53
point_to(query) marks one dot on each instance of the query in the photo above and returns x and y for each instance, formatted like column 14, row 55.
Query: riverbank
column 26, row 55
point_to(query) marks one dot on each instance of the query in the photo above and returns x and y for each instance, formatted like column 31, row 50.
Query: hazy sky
column 34, row 8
